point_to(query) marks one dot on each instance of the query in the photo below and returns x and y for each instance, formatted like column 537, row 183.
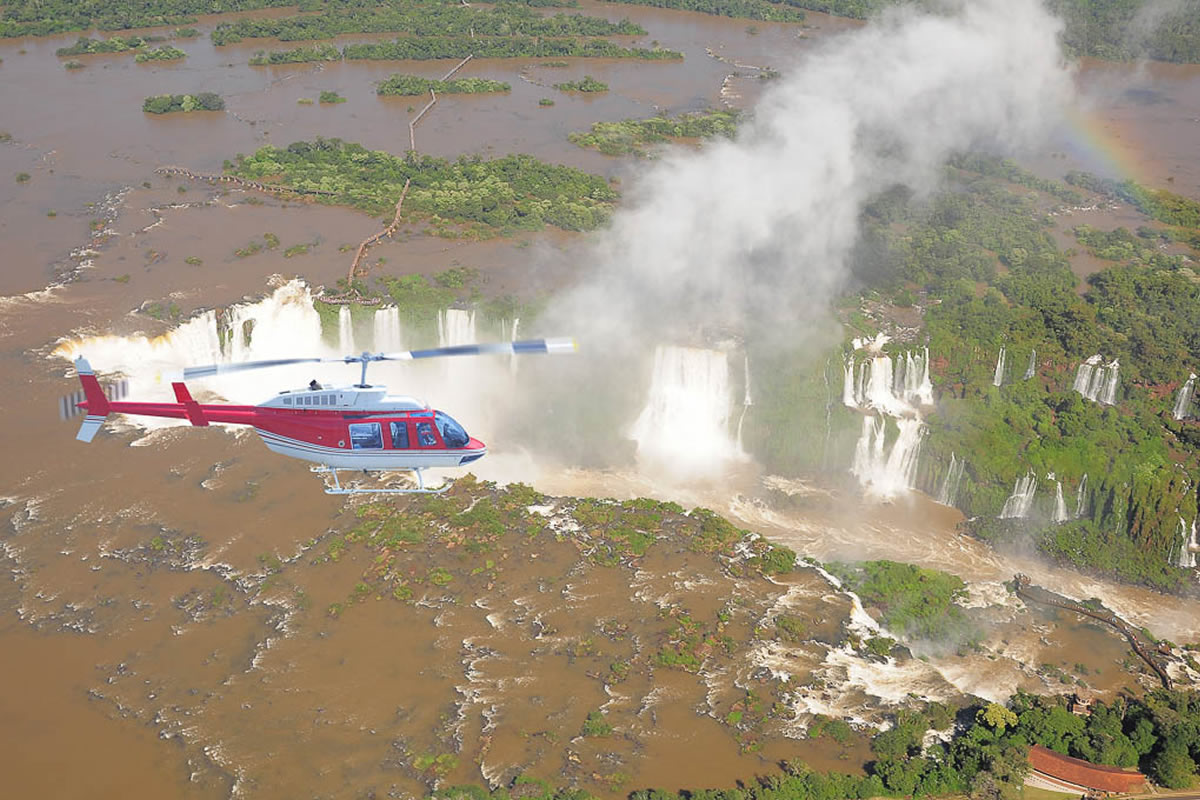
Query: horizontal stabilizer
column 87, row 431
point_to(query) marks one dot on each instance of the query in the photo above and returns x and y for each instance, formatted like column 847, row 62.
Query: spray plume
column 764, row 224
column 755, row 234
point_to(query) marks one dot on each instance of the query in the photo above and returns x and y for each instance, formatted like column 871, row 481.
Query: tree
column 996, row 716
column 1173, row 766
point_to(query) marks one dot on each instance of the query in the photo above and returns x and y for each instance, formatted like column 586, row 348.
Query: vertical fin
column 95, row 402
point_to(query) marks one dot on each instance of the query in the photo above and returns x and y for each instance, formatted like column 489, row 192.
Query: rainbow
column 1104, row 147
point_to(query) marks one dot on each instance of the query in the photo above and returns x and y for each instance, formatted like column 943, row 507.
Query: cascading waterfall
column 684, row 426
column 387, row 330
column 886, row 389
column 281, row 325
column 848, row 393
column 747, row 401
column 1019, row 503
column 513, row 360
column 1098, row 381
column 1032, row 368
column 1183, row 401
column 883, row 472
column 1060, row 505
column 998, row 378
column 1191, row 545
column 456, row 326
column 345, row 331
column 1081, row 498
column 894, row 388
column 948, row 493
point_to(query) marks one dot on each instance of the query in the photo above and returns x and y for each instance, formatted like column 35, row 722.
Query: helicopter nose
column 475, row 451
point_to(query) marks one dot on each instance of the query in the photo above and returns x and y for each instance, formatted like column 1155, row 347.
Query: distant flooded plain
column 167, row 627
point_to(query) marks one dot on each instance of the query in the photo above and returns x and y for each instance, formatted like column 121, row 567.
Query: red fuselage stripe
column 320, row 427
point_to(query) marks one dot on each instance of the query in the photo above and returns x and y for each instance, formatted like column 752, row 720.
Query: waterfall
column 345, row 331
column 1108, row 395
column 1018, row 504
column 456, row 326
column 998, row 378
column 387, row 330
column 848, row 384
column 888, row 389
column 1183, row 401
column 282, row 325
column 1060, row 505
column 883, row 472
column 1191, row 545
column 948, row 494
column 1098, row 381
column 513, row 361
column 1081, row 498
column 747, row 401
column 1032, row 368
column 684, row 425
column 894, row 388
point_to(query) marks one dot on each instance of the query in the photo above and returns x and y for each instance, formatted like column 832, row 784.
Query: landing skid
column 337, row 487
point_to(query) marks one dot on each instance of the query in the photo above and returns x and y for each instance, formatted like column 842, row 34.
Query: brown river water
column 163, row 625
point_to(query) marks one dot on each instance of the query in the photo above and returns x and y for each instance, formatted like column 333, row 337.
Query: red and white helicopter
column 359, row 427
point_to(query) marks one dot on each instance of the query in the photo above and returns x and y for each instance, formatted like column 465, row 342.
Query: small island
column 586, row 84
column 170, row 103
column 413, row 85
column 164, row 53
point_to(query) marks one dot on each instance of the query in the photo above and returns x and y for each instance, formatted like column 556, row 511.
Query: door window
column 366, row 435
column 399, row 435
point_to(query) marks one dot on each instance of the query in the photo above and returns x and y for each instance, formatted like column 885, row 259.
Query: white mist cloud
column 762, row 226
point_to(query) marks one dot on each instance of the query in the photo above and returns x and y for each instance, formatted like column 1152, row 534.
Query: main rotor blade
column 224, row 369
column 514, row 348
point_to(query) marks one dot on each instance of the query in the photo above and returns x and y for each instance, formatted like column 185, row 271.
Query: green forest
column 1108, row 29
column 981, row 261
column 433, row 47
column 422, row 19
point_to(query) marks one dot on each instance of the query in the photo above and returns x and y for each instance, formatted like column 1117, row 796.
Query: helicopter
column 359, row 427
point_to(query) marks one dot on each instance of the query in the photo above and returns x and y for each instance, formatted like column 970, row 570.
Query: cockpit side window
column 399, row 435
column 425, row 434
column 452, row 433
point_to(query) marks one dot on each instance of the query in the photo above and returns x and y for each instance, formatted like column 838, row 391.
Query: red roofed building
column 1076, row 775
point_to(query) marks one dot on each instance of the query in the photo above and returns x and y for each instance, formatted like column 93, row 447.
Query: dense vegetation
column 433, row 47
column 413, row 85
column 503, row 194
column 1111, row 29
column 168, row 103
column 915, row 602
column 743, row 9
column 636, row 136
column 991, row 276
column 1118, row 30
column 420, row 19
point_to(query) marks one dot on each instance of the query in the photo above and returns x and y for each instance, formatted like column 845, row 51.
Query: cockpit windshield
column 452, row 433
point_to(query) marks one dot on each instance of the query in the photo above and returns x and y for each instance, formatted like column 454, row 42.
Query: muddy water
column 167, row 622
